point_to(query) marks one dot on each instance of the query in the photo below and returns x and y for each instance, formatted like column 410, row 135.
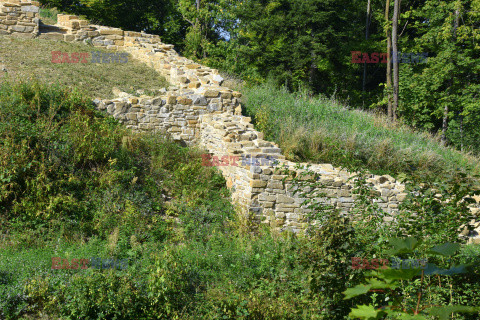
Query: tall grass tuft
column 321, row 130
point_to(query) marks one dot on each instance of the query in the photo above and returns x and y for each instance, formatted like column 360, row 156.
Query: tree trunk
column 367, row 34
column 461, row 131
column 389, row 61
column 444, row 126
column 198, row 12
column 445, row 110
column 396, row 13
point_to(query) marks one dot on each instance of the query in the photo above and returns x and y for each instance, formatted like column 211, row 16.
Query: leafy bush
column 436, row 208
column 398, row 299
column 66, row 166
column 78, row 185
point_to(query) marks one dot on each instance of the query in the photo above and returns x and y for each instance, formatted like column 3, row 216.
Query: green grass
column 76, row 184
column 323, row 131
column 93, row 79
column 49, row 15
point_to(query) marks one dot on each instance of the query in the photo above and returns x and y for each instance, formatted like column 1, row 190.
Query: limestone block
column 266, row 197
column 275, row 184
column 114, row 37
column 345, row 200
column 218, row 79
column 401, row 196
column 92, row 33
column 267, row 171
column 131, row 116
column 338, row 182
column 211, row 94
column 184, row 101
column 226, row 95
column 171, row 99
column 344, row 193
column 192, row 66
column 280, row 215
column 387, row 193
column 158, row 101
column 111, row 32
column 284, row 199
column 10, row 4
column 292, row 216
column 19, row 29
column 258, row 184
column 7, row 9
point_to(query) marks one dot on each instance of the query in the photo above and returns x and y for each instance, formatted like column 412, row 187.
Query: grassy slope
column 70, row 192
column 101, row 197
column 31, row 59
column 321, row 130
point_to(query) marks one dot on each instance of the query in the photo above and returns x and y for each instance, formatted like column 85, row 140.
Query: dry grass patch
column 321, row 130
column 24, row 59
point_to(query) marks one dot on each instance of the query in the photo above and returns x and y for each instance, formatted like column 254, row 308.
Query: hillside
column 18, row 61
column 77, row 185
column 322, row 130
column 108, row 209
column 318, row 130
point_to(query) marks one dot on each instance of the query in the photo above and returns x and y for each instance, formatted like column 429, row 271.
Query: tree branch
column 193, row 24
column 403, row 29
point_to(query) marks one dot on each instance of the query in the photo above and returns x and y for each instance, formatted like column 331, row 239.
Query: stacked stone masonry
column 200, row 111
column 19, row 18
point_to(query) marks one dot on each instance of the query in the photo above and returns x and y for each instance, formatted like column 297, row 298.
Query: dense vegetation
column 75, row 184
column 309, row 43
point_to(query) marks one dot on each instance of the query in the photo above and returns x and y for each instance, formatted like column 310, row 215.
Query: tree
column 389, row 60
column 396, row 12
column 442, row 94
column 445, row 113
column 367, row 33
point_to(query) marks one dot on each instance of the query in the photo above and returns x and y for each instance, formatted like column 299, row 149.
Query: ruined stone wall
column 180, row 71
column 262, row 188
column 186, row 116
column 19, row 18
column 203, row 112
column 200, row 111
column 177, row 113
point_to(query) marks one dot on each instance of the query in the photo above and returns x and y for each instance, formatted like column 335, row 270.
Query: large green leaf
column 433, row 269
column 356, row 291
column 398, row 315
column 400, row 274
column 403, row 245
column 366, row 312
column 446, row 249
column 382, row 284
column 444, row 312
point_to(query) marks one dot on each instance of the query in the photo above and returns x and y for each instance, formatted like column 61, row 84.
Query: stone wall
column 261, row 188
column 177, row 113
column 19, row 18
column 186, row 115
column 148, row 48
column 200, row 111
